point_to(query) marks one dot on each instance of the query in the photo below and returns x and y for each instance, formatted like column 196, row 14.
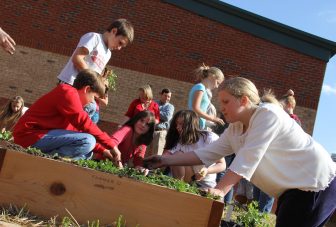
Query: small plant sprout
column 6, row 135
column 111, row 78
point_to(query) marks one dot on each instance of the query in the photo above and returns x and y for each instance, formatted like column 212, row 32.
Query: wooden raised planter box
column 46, row 187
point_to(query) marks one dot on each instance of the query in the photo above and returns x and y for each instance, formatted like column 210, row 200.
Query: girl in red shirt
column 144, row 102
column 131, row 140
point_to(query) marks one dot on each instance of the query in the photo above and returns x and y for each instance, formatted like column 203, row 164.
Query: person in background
column 11, row 113
column 57, row 123
column 264, row 140
column 93, row 52
column 166, row 114
column 6, row 42
column 289, row 103
column 184, row 136
column 144, row 102
column 198, row 101
column 131, row 139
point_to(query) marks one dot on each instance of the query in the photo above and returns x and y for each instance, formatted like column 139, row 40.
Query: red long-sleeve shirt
column 61, row 108
column 136, row 107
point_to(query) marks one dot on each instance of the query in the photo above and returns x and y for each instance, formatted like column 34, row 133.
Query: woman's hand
column 154, row 162
column 216, row 192
column 201, row 174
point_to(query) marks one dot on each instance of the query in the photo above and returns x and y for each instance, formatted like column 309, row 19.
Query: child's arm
column 196, row 106
column 218, row 167
column 78, row 58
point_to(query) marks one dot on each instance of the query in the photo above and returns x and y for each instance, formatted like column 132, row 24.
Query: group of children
column 272, row 151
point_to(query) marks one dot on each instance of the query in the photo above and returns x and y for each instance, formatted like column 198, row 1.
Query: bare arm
column 184, row 159
column 6, row 42
column 196, row 106
column 226, row 183
column 218, row 167
column 78, row 58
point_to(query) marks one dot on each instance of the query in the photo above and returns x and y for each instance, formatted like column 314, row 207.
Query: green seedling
column 6, row 135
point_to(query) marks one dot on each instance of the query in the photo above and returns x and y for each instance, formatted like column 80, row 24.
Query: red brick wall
column 169, row 42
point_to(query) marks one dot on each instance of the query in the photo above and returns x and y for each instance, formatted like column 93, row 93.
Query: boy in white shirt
column 94, row 51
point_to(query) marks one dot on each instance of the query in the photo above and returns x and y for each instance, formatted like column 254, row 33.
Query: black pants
column 298, row 208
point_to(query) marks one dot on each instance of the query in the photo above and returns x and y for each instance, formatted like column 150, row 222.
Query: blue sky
column 317, row 18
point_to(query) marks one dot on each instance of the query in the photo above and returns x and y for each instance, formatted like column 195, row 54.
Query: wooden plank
column 47, row 187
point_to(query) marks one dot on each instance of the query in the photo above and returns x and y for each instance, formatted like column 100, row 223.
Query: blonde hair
column 8, row 117
column 240, row 86
column 147, row 90
column 205, row 71
column 288, row 99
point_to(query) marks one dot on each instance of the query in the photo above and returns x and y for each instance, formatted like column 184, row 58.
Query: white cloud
column 328, row 15
column 329, row 89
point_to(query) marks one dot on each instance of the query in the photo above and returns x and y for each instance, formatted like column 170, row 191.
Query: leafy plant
column 111, row 78
column 34, row 151
column 252, row 217
column 6, row 135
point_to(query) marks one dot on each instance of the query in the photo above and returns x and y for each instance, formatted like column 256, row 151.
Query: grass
column 22, row 217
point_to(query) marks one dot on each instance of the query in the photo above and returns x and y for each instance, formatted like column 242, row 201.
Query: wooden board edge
column 2, row 156
column 215, row 214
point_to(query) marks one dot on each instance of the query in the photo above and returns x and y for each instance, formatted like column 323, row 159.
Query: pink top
column 136, row 107
column 123, row 139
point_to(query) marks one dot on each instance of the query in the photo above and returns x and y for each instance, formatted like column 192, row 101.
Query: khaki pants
column 158, row 143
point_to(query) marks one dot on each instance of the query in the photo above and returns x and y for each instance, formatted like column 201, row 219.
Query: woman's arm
column 225, row 184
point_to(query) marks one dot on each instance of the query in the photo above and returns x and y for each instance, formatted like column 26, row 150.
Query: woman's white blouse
column 274, row 153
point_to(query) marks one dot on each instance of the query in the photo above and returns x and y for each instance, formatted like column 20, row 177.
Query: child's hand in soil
column 154, row 162
column 142, row 170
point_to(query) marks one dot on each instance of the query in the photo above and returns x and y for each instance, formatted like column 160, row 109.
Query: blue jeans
column 265, row 202
column 67, row 143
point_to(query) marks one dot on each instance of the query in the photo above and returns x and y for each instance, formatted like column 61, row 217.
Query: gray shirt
column 166, row 114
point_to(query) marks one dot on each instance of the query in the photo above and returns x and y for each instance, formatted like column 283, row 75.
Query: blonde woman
column 273, row 153
column 210, row 78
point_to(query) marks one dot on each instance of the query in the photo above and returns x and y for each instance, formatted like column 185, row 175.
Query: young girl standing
column 288, row 102
column 272, row 152
column 184, row 136
column 198, row 101
column 131, row 139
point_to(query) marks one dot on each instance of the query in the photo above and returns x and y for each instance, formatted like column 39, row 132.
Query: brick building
column 172, row 38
